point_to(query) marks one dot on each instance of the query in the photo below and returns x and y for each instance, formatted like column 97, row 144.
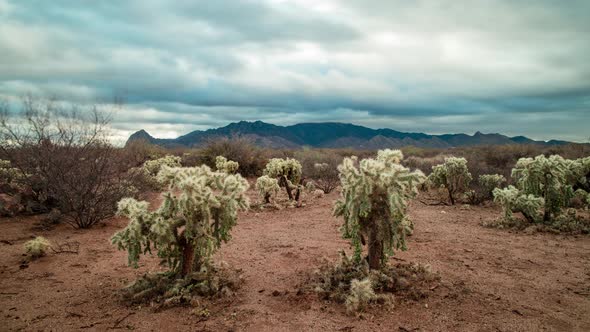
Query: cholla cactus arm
column 453, row 175
column 227, row 166
column 512, row 200
column 151, row 169
column 195, row 217
column 374, row 203
column 267, row 187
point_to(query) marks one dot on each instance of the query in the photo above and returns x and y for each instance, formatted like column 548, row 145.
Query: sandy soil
column 492, row 280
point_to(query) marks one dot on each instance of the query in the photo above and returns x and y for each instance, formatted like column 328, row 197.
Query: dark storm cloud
column 518, row 67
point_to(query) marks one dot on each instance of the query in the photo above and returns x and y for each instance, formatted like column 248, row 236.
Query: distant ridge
column 333, row 135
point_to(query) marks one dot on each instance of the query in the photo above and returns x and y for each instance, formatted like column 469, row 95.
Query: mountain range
column 332, row 135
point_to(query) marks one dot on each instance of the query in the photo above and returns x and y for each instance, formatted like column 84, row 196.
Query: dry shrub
column 167, row 290
column 251, row 158
column 63, row 153
column 320, row 166
column 347, row 282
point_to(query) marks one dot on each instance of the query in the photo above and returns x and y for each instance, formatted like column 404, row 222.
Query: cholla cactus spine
column 453, row 175
column 188, row 226
column 267, row 187
column 373, row 203
column 227, row 166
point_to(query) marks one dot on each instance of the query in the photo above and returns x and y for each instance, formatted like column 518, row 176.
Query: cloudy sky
column 514, row 67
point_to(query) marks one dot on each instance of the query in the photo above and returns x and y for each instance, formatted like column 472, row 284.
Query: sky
column 513, row 67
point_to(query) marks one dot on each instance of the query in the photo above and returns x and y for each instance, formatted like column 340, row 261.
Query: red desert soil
column 492, row 280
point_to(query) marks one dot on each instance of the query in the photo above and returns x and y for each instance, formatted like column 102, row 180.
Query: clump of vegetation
column 63, row 154
column 544, row 190
column 267, row 188
column 355, row 285
column 288, row 173
column 453, row 175
column 486, row 183
column 195, row 218
column 374, row 203
column 227, row 166
column 321, row 166
column 252, row 159
column 151, row 168
column 37, row 247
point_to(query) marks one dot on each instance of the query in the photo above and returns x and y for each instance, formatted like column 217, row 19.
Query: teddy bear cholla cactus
column 287, row 172
column 373, row 203
column 195, row 217
column 452, row 175
column 151, row 168
column 227, row 166
column 545, row 183
column 267, row 187
column 37, row 247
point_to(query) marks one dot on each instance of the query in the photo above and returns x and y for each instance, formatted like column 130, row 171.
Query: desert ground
column 490, row 279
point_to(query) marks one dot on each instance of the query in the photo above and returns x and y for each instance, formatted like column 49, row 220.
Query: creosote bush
column 227, row 166
column 483, row 191
column 37, row 247
column 373, row 204
column 267, row 188
column 288, row 173
column 452, row 175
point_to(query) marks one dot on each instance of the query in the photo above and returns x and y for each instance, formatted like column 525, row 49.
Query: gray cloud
column 461, row 66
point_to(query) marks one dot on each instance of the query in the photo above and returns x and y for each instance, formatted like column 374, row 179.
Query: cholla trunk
column 267, row 198
column 283, row 182
column 375, row 248
column 188, row 259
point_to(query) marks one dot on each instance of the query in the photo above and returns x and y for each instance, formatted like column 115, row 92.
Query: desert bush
column 483, row 191
column 65, row 157
column 250, row 158
column 425, row 164
column 37, row 247
column 373, row 203
column 452, row 175
column 227, row 166
column 267, row 187
column 196, row 216
column 137, row 152
column 321, row 166
column 287, row 172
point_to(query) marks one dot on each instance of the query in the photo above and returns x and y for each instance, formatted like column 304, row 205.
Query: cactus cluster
column 287, row 172
column 227, row 166
column 151, row 168
column 267, row 187
column 373, row 203
column 544, row 187
column 453, row 175
column 196, row 216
